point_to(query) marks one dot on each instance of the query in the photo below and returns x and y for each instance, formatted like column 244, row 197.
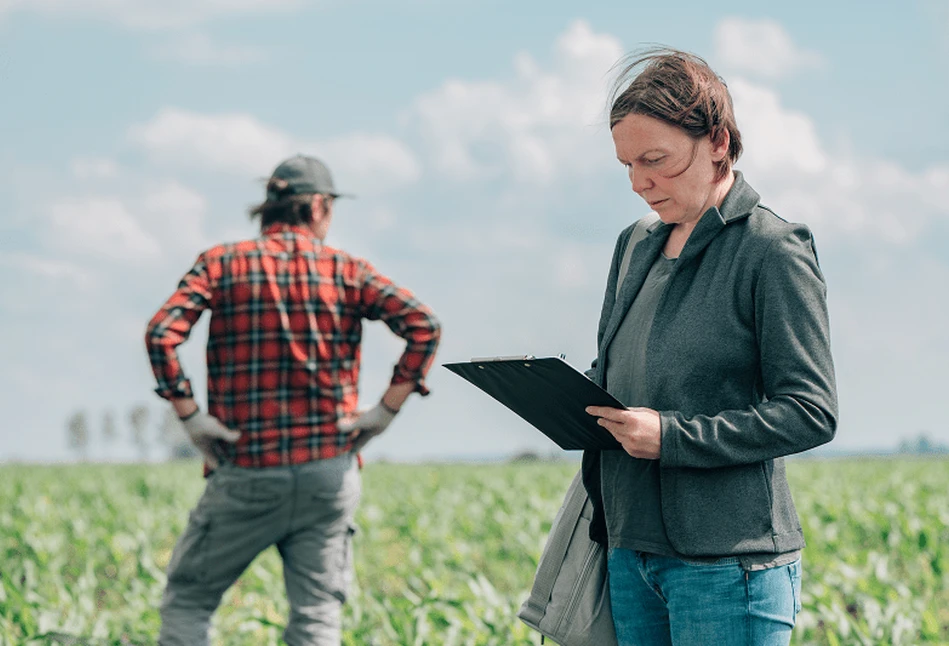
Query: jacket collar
column 279, row 228
column 740, row 200
column 738, row 204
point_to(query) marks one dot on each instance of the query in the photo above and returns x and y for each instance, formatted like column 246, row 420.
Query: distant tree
column 172, row 434
column 138, row 423
column 922, row 444
column 77, row 433
column 109, row 433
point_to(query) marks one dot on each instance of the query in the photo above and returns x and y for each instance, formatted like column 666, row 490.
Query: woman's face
column 671, row 171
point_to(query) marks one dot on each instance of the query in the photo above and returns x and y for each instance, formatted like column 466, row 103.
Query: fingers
column 347, row 426
column 606, row 412
column 226, row 434
column 350, row 423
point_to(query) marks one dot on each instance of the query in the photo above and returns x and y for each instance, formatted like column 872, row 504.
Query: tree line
column 166, row 434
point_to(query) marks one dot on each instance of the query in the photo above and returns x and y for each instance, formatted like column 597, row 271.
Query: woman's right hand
column 638, row 430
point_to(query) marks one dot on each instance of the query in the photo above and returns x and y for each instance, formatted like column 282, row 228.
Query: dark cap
column 303, row 175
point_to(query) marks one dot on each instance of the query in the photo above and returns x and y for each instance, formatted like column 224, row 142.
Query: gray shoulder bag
column 570, row 599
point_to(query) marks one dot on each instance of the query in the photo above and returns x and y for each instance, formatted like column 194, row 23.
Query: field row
column 445, row 554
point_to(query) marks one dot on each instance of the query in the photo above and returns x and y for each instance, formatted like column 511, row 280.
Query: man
column 282, row 431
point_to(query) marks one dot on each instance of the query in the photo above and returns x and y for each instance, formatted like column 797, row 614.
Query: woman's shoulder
column 764, row 224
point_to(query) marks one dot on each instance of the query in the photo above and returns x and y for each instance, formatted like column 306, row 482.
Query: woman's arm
column 799, row 411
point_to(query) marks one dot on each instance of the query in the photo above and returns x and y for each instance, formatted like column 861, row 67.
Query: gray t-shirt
column 631, row 487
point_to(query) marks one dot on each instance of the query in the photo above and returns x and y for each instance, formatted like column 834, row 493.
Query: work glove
column 368, row 425
column 205, row 432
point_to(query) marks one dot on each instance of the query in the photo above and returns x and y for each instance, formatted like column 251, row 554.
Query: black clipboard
column 548, row 393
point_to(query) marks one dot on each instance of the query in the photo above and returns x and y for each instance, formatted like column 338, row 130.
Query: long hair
column 282, row 206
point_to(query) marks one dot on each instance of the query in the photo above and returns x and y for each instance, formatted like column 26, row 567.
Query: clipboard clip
column 518, row 357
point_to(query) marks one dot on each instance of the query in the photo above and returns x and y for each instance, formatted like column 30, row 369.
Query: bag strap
column 559, row 541
column 639, row 232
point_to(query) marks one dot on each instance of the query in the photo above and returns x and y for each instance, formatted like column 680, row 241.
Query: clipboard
column 548, row 393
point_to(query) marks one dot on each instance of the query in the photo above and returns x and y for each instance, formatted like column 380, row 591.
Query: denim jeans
column 306, row 510
column 665, row 601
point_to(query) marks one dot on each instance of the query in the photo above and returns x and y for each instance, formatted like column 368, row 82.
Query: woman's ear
column 720, row 146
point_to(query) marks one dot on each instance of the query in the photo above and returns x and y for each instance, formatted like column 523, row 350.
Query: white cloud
column 235, row 143
column 380, row 160
column 243, row 145
column 150, row 222
column 49, row 268
column 151, row 15
column 100, row 226
column 774, row 137
column 175, row 214
column 197, row 48
column 761, row 47
column 838, row 192
column 86, row 168
column 536, row 126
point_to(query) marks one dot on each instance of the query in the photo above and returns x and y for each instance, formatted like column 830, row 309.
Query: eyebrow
column 643, row 155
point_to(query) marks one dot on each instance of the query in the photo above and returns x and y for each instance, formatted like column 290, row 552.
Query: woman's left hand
column 638, row 430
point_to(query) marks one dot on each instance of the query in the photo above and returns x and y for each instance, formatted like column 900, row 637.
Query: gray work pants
column 305, row 510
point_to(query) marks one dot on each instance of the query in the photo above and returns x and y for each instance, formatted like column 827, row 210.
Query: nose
column 640, row 179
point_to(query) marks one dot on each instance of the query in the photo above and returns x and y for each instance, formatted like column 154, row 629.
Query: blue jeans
column 665, row 601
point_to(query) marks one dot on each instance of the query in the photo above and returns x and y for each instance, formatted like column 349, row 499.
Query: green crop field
column 445, row 553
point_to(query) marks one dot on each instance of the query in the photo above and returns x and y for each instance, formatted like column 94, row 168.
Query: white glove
column 205, row 431
column 368, row 425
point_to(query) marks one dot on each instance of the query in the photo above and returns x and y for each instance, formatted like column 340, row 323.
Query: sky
column 135, row 134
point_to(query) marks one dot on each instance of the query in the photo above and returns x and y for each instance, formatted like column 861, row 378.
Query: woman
column 717, row 338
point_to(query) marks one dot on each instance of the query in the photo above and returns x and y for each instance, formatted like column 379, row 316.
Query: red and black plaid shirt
column 284, row 342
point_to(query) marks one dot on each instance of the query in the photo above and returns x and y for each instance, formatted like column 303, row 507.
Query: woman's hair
column 283, row 206
column 682, row 90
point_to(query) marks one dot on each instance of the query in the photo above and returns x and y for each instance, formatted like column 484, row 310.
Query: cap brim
column 346, row 195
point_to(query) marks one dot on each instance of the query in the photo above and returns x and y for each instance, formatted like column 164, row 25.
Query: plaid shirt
column 284, row 343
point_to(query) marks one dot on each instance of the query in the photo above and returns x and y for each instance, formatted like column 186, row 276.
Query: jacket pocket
column 344, row 570
column 720, row 511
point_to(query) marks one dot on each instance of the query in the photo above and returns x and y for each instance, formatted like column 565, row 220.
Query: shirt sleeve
column 407, row 317
column 799, row 409
column 171, row 326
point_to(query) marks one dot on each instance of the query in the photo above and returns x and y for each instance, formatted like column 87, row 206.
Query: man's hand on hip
column 367, row 425
column 205, row 431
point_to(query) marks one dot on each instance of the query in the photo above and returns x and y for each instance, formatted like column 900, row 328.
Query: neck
column 681, row 232
column 721, row 189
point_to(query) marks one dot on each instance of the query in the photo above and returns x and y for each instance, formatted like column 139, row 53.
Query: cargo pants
column 305, row 510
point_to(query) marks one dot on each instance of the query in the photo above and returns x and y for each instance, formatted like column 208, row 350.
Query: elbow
column 823, row 426
column 153, row 334
column 435, row 327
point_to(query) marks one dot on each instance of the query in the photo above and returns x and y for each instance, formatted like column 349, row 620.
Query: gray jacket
column 740, row 370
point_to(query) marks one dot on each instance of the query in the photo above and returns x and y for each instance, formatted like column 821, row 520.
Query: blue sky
column 135, row 135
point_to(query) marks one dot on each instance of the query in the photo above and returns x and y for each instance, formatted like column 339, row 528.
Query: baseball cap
column 305, row 175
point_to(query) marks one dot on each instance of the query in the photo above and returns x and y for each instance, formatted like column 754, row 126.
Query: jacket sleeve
column 407, row 317
column 171, row 326
column 799, row 407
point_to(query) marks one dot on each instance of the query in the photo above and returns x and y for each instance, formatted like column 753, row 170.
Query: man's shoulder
column 223, row 249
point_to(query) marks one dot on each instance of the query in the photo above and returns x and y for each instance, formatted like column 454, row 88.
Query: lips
column 658, row 202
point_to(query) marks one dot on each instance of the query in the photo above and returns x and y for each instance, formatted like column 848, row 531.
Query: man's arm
column 407, row 317
column 381, row 299
column 170, row 327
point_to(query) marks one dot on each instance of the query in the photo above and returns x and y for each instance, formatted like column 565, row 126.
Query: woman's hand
column 638, row 430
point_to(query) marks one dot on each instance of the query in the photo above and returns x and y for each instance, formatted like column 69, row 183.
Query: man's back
column 284, row 344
